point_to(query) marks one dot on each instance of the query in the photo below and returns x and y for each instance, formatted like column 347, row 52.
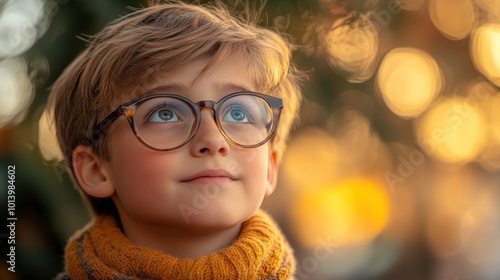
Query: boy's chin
column 210, row 222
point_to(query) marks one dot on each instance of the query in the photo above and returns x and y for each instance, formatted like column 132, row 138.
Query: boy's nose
column 208, row 140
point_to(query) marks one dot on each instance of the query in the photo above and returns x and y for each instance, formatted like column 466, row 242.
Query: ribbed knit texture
column 101, row 251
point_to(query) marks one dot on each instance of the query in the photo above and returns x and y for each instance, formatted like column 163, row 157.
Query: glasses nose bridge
column 210, row 105
column 206, row 104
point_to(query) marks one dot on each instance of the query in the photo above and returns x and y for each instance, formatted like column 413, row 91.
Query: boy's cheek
column 137, row 166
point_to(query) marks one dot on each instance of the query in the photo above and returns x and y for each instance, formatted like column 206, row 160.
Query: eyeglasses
column 165, row 122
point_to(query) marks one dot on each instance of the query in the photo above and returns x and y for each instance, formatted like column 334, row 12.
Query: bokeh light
column 454, row 19
column 16, row 90
column 453, row 131
column 47, row 139
column 311, row 159
column 353, row 48
column 21, row 24
column 347, row 213
column 485, row 46
column 408, row 80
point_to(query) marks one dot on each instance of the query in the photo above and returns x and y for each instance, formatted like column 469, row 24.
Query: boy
column 173, row 122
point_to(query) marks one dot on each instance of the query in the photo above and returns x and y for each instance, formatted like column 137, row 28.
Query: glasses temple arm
column 103, row 126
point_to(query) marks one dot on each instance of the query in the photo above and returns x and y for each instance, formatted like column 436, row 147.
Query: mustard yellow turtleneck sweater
column 101, row 251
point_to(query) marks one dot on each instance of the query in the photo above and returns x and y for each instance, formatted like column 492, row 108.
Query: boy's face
column 206, row 184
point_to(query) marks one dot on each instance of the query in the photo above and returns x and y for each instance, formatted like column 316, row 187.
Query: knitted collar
column 101, row 251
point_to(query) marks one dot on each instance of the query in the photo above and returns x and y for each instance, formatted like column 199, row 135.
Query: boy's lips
column 210, row 176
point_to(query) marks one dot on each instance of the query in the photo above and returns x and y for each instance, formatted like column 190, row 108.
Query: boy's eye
column 237, row 113
column 163, row 115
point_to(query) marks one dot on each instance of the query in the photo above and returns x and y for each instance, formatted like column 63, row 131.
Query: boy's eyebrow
column 166, row 88
column 231, row 87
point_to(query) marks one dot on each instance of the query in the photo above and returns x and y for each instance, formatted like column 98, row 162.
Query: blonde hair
column 126, row 54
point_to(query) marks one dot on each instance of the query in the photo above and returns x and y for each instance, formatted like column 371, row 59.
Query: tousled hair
column 127, row 54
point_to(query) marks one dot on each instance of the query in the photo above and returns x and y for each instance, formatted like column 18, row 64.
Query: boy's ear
column 272, row 173
column 90, row 171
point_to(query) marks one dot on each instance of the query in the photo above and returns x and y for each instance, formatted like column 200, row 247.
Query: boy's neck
column 180, row 243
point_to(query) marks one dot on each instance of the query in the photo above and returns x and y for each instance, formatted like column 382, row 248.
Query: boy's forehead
column 224, row 76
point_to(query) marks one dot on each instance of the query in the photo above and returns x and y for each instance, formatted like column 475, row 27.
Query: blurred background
column 392, row 173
